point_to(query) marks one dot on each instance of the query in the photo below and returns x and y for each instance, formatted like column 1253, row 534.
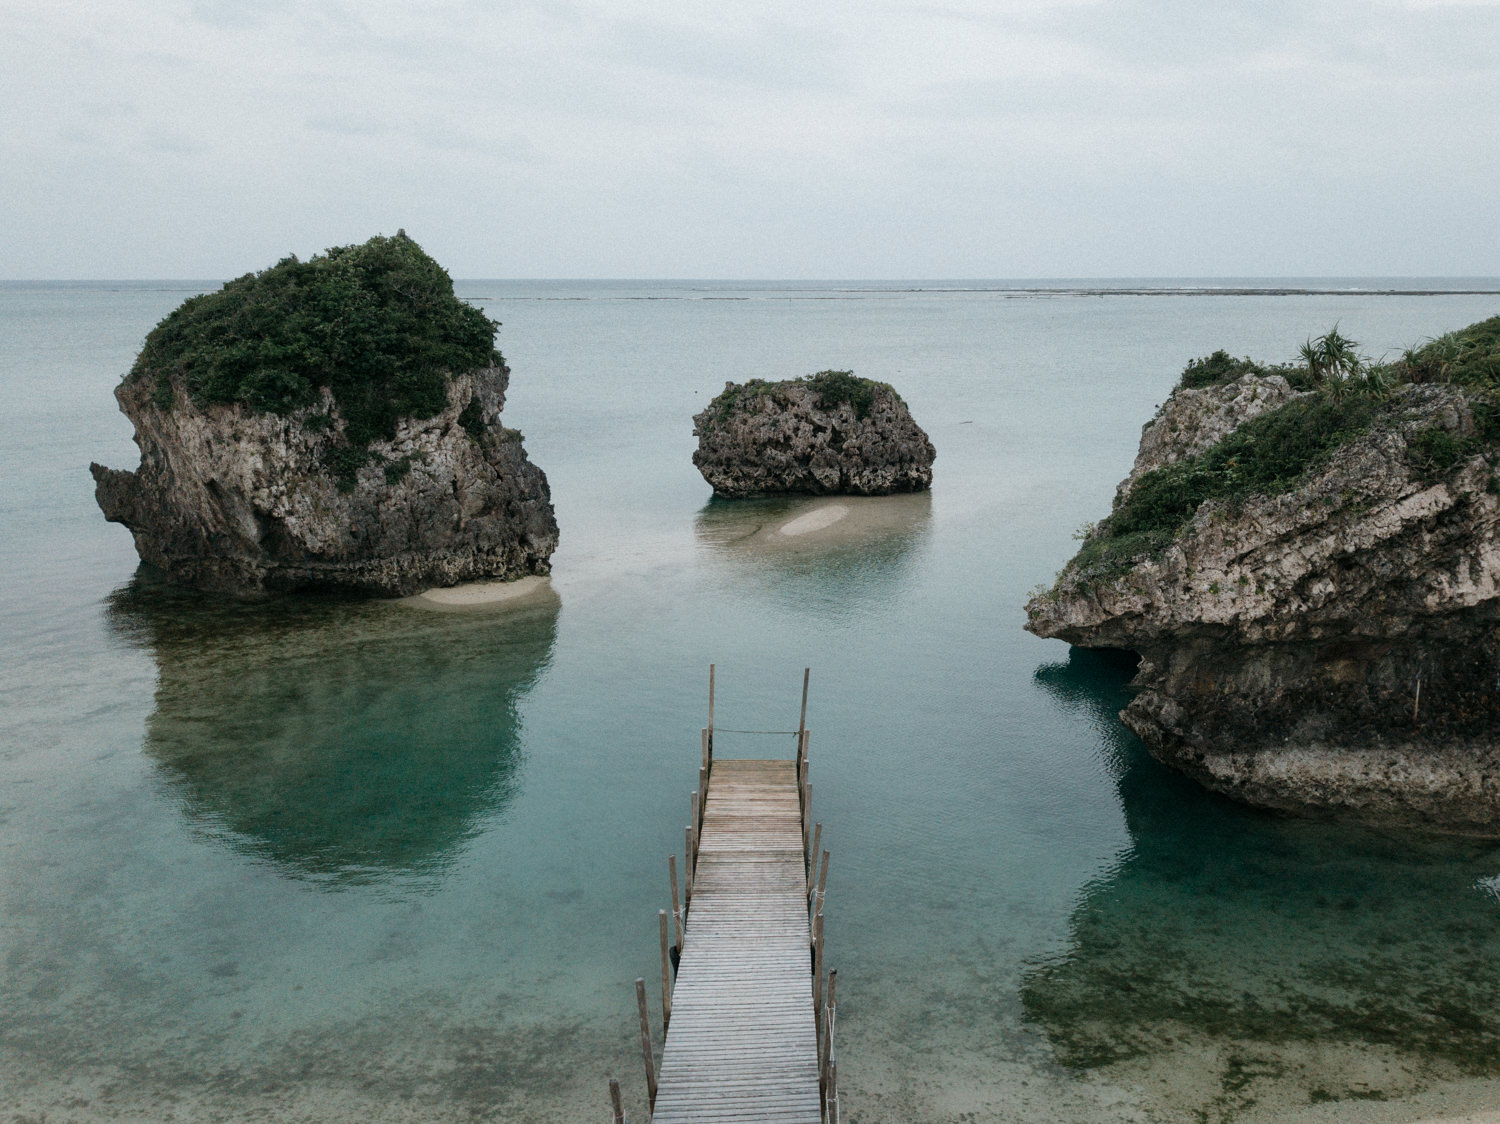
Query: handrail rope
column 727, row 730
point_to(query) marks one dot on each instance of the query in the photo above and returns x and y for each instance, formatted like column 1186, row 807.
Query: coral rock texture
column 228, row 498
column 775, row 438
column 1331, row 649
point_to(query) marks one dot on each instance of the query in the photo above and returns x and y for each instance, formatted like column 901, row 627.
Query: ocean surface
column 321, row 860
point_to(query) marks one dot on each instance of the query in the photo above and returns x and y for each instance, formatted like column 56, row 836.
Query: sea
column 320, row 859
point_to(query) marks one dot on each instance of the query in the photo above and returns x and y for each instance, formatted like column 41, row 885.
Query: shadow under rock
column 344, row 741
column 1226, row 925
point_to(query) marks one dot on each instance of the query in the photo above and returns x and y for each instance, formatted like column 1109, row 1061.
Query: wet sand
column 483, row 595
column 754, row 527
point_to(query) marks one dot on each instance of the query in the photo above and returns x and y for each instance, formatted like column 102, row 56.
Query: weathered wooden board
column 742, row 1045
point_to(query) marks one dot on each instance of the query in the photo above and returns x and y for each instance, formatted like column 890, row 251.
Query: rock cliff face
column 1330, row 648
column 228, row 498
column 816, row 436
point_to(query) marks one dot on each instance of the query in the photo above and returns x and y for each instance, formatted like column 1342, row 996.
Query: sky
column 765, row 139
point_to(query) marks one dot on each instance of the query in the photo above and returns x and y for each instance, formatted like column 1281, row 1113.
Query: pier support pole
column 666, row 976
column 676, row 902
column 802, row 721
column 812, row 883
column 817, row 950
column 710, row 709
column 614, row 1100
column 640, row 1002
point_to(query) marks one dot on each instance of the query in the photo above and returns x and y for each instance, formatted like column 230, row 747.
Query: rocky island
column 831, row 433
column 1305, row 559
column 328, row 424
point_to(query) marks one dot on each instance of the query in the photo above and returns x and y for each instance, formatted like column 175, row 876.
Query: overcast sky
column 764, row 139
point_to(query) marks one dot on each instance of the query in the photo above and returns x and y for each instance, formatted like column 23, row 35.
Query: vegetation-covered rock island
column 328, row 424
column 1305, row 558
column 831, row 433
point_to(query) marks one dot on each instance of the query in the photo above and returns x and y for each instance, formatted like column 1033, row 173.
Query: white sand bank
column 484, row 595
column 816, row 520
column 755, row 527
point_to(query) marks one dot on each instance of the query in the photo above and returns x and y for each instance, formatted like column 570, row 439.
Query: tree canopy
column 377, row 323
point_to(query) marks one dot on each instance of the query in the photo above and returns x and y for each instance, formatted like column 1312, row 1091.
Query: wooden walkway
column 743, row 1043
column 748, row 1015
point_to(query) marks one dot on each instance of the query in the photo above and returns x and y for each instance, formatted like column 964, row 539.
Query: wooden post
column 706, row 757
column 829, row 1018
column 808, row 861
column 688, row 861
column 693, row 820
column 676, row 902
column 807, row 826
column 614, row 1100
column 710, row 709
column 822, row 881
column 666, row 977
column 703, row 788
column 640, row 1002
column 817, row 939
column 802, row 722
column 833, row 1093
column 825, row 1038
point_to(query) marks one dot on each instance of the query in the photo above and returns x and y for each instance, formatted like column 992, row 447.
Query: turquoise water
column 313, row 860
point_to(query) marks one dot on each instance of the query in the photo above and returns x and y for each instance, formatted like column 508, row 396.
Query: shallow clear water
column 312, row 860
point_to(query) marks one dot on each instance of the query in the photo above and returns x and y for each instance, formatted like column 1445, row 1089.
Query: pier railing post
column 640, row 1002
column 676, row 901
column 825, row 1043
column 694, row 823
column 822, row 882
column 710, row 709
column 807, row 825
column 666, row 976
column 614, row 1100
column 812, row 883
column 817, row 941
column 802, row 719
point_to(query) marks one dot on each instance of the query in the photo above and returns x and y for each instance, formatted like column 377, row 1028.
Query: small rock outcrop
column 257, row 474
column 1192, row 420
column 1312, row 582
column 826, row 434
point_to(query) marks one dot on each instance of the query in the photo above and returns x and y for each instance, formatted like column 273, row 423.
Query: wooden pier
column 748, row 1023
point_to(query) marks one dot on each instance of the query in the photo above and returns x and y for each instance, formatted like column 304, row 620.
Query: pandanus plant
column 1332, row 360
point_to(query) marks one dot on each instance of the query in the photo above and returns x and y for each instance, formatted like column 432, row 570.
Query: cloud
column 555, row 137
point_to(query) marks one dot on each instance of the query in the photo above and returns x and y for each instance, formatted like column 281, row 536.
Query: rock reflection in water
column 819, row 552
column 1346, row 962
column 344, row 741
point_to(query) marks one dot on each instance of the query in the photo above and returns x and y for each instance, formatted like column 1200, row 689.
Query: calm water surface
column 320, row 860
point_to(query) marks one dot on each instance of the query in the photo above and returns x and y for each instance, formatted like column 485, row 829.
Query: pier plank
column 743, row 1045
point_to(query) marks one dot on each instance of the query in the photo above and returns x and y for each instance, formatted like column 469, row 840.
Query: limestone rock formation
column 829, row 433
column 1194, row 419
column 328, row 424
column 228, row 498
column 1325, row 644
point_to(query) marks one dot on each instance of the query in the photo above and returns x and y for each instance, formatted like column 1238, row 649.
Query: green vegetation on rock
column 1278, row 451
column 832, row 388
column 377, row 324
